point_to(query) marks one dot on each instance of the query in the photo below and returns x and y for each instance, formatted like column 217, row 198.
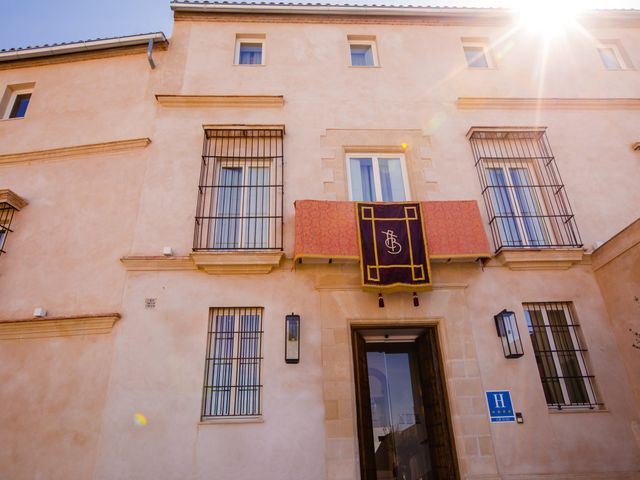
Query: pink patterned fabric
column 327, row 229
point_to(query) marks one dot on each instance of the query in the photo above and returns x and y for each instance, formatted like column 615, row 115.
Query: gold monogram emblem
column 391, row 242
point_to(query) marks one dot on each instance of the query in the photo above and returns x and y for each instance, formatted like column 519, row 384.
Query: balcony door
column 403, row 421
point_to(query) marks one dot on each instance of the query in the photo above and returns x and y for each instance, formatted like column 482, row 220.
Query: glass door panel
column 399, row 432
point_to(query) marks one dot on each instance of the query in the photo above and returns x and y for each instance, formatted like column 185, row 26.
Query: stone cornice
column 271, row 12
column 512, row 103
column 211, row 126
column 237, row 263
column 157, row 263
column 235, row 101
column 542, row 259
column 12, row 198
column 47, row 327
column 392, row 18
column 214, row 263
column 88, row 149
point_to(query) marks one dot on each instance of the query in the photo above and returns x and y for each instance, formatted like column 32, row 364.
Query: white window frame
column 547, row 230
column 245, row 165
column 363, row 40
column 564, row 307
column 486, row 53
column 375, row 157
column 618, row 53
column 12, row 100
column 243, row 38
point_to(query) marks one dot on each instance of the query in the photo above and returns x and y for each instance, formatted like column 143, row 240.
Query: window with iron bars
column 525, row 198
column 232, row 381
column 560, row 355
column 240, row 190
column 9, row 204
column 6, row 215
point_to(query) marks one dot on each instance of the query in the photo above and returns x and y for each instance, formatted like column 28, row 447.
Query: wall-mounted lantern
column 509, row 334
column 292, row 338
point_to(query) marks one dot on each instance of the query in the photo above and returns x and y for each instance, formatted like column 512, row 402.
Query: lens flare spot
column 404, row 146
column 139, row 420
column 435, row 122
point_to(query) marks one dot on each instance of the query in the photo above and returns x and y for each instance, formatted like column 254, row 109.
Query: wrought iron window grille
column 560, row 355
column 232, row 374
column 525, row 198
column 6, row 216
column 240, row 192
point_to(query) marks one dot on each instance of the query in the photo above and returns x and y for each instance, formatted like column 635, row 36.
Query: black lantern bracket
column 292, row 338
column 507, row 329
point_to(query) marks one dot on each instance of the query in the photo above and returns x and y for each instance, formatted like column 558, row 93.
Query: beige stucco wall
column 89, row 209
column 617, row 268
column 53, row 393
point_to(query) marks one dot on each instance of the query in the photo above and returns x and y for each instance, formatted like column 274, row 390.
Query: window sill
column 570, row 410
column 11, row 119
column 228, row 420
column 249, row 64
column 237, row 263
column 539, row 259
column 365, row 66
column 211, row 262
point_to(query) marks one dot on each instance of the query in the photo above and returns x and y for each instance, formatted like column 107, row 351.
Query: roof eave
column 338, row 10
column 615, row 15
column 85, row 46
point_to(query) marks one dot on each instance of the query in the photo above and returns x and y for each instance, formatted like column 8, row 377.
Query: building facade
column 184, row 285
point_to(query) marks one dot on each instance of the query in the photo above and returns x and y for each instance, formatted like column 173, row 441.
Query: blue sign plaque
column 500, row 406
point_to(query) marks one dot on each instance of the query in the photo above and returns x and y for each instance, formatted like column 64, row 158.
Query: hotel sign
column 500, row 406
column 393, row 248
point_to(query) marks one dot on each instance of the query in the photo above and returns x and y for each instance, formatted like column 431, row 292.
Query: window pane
column 220, row 367
column 544, row 357
column 227, row 224
column 362, row 187
column 475, row 57
column 529, row 206
column 240, row 190
column 20, row 106
column 232, row 369
column 248, row 365
column 361, row 55
column 571, row 371
column 560, row 358
column 391, row 181
column 609, row 59
column 503, row 207
column 250, row 54
column 256, row 215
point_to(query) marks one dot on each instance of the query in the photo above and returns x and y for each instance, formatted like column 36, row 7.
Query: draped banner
column 393, row 248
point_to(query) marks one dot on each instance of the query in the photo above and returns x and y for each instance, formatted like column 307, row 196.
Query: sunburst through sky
column 38, row 22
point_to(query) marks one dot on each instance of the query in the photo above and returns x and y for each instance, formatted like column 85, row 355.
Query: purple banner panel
column 393, row 248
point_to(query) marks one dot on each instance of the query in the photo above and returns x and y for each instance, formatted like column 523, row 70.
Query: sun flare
column 547, row 17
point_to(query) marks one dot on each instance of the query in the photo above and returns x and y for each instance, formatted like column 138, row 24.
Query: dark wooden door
column 404, row 429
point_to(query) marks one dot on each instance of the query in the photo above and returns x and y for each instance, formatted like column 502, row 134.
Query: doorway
column 404, row 429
